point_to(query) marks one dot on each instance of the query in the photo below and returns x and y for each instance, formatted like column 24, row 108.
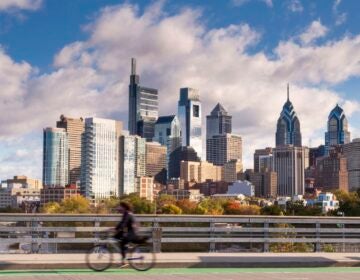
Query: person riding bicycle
column 126, row 230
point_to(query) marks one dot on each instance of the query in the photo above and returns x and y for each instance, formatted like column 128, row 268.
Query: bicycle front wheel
column 142, row 257
column 99, row 258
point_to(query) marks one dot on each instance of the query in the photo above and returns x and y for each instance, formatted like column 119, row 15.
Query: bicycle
column 140, row 255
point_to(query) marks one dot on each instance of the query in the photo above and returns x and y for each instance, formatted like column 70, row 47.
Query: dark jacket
column 126, row 228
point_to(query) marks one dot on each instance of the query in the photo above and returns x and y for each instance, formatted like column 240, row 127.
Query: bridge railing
column 261, row 232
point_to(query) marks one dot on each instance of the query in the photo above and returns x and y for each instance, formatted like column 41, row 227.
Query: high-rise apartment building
column 168, row 133
column 232, row 169
column 132, row 162
column 218, row 122
column 74, row 128
column 288, row 126
column 289, row 164
column 143, row 106
column 223, row 148
column 155, row 161
column 176, row 157
column 100, row 158
column 55, row 158
column 189, row 113
column 338, row 130
column 331, row 172
column 263, row 159
column 352, row 153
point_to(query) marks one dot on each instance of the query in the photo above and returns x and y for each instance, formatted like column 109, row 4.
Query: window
column 196, row 111
column 168, row 132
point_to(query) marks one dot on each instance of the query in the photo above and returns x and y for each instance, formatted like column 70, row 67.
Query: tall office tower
column 338, row 131
column 218, row 122
column 55, row 158
column 100, row 158
column 132, row 162
column 176, row 157
column 288, row 126
column 260, row 156
column 74, row 128
column 168, row 133
column 222, row 148
column 143, row 106
column 232, row 169
column 155, row 161
column 189, row 113
column 352, row 153
column 331, row 172
column 289, row 164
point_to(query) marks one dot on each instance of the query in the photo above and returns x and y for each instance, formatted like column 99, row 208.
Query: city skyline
column 86, row 81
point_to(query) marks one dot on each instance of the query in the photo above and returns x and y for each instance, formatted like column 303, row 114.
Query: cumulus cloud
column 315, row 31
column 91, row 77
column 295, row 6
column 6, row 5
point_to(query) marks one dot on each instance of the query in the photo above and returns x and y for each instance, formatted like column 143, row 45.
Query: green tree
column 71, row 205
column 187, row 206
column 140, row 205
column 213, row 206
column 171, row 209
column 272, row 210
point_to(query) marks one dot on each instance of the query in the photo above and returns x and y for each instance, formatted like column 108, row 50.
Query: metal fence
column 259, row 233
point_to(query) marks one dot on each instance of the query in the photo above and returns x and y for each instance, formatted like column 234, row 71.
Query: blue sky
column 60, row 51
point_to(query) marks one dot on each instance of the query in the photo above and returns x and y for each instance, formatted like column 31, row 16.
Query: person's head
column 124, row 207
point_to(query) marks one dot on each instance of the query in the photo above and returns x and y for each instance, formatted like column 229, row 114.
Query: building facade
column 338, row 129
column 232, row 169
column 199, row 172
column 155, row 162
column 23, row 182
column 222, row 148
column 146, row 188
column 55, row 157
column 288, row 126
column 168, row 133
column 189, row 114
column 100, row 158
column 58, row 194
column 143, row 106
column 176, row 157
column 289, row 164
column 74, row 129
column 262, row 158
column 352, row 153
column 219, row 122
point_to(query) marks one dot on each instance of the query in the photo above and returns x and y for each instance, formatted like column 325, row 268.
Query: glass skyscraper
column 100, row 158
column 143, row 106
column 55, row 158
column 189, row 114
column 168, row 133
column 288, row 126
column 338, row 131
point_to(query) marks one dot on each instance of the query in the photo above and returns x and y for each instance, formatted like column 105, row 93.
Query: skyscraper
column 180, row 154
column 222, row 148
column 74, row 128
column 143, row 106
column 55, row 158
column 263, row 157
column 189, row 113
column 338, row 131
column 168, row 133
column 132, row 162
column 100, row 158
column 288, row 126
column 352, row 154
column 155, row 162
column 218, row 122
column 289, row 164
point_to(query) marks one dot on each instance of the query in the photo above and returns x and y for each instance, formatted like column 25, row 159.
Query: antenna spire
column 288, row 93
column 133, row 66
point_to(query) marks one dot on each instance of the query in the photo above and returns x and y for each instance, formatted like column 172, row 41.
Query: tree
column 213, row 206
column 187, row 206
column 272, row 210
column 171, row 209
column 297, row 208
column 72, row 205
column 234, row 207
column 349, row 202
column 140, row 205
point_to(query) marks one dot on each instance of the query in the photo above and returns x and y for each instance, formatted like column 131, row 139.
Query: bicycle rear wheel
column 99, row 258
column 142, row 257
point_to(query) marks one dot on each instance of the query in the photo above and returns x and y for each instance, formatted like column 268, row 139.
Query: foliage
column 187, row 206
column 233, row 207
column 71, row 205
column 171, row 209
column 140, row 205
column 297, row 208
column 349, row 203
column 10, row 210
column 213, row 206
column 272, row 210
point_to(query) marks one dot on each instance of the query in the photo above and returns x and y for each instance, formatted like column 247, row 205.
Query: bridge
column 207, row 246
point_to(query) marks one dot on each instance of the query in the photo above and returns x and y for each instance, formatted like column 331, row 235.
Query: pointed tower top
column 288, row 93
column 133, row 66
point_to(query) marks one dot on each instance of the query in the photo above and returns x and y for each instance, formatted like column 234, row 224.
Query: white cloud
column 20, row 5
column 295, row 6
column 239, row 3
column 340, row 18
column 91, row 77
column 314, row 31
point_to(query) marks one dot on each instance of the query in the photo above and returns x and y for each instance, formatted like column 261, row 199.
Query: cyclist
column 126, row 230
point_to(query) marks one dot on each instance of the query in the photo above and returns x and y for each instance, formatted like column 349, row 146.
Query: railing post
column 156, row 236
column 266, row 236
column 318, row 236
column 212, row 245
column 96, row 229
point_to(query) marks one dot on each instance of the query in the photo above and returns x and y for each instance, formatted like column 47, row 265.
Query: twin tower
column 288, row 127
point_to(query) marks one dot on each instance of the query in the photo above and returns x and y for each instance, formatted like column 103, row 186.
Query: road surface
column 331, row 273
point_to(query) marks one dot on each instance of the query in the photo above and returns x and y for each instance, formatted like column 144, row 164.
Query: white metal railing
column 56, row 229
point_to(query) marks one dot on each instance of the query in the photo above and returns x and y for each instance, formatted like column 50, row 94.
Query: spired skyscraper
column 288, row 126
column 218, row 122
column 143, row 106
column 338, row 131
column 189, row 114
